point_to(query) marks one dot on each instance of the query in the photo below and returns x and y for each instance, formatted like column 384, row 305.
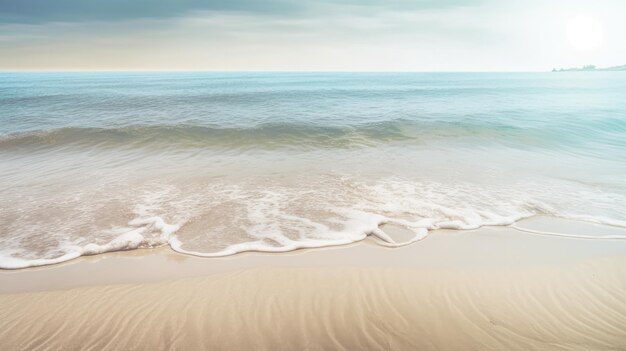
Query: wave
column 602, row 139
column 270, row 135
column 226, row 219
column 133, row 239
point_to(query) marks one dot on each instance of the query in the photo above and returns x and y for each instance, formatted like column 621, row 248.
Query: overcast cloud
column 373, row 35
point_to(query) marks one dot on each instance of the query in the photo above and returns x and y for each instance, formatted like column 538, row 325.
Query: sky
column 327, row 35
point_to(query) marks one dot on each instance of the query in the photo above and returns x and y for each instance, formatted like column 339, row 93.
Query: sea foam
column 224, row 219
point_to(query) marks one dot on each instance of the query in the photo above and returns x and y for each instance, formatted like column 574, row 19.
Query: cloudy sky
column 366, row 35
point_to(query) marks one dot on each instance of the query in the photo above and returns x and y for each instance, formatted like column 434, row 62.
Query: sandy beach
column 488, row 289
column 305, row 175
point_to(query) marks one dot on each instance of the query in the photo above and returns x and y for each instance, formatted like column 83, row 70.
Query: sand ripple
column 564, row 308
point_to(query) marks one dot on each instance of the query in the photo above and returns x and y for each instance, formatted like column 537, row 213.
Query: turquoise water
column 218, row 163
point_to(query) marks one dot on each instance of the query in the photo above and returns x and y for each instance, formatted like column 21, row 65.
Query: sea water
column 216, row 163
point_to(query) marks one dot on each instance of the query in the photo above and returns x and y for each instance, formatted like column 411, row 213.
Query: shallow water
column 218, row 163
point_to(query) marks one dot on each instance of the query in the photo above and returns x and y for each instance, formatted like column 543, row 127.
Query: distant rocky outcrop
column 590, row 68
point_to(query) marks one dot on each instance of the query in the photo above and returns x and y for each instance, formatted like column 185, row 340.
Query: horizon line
column 257, row 71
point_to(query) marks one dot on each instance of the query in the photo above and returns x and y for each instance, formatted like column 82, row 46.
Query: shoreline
column 491, row 288
column 387, row 234
column 551, row 235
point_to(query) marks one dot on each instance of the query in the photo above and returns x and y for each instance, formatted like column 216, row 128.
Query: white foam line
column 128, row 241
column 259, row 246
column 395, row 244
column 134, row 239
column 17, row 263
column 387, row 241
column 568, row 235
column 596, row 220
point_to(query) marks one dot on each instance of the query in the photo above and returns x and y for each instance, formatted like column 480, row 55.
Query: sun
column 584, row 33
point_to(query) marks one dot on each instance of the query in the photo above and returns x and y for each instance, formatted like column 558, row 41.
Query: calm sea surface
column 218, row 163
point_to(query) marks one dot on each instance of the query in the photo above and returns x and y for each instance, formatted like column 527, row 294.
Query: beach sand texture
column 440, row 294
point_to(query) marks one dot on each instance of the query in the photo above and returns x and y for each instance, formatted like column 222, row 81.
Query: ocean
column 217, row 163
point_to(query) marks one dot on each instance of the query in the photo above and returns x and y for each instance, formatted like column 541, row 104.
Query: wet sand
column 489, row 289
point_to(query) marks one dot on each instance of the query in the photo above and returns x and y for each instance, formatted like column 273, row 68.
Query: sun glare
column 584, row 33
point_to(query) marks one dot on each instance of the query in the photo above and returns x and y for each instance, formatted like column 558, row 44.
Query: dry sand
column 490, row 289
